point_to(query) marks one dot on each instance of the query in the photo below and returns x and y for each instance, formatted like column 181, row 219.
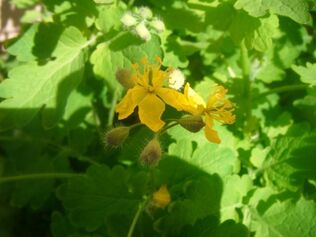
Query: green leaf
column 62, row 227
column 121, row 53
column 213, row 159
column 291, row 159
column 209, row 157
column 194, row 195
column 27, row 158
column 307, row 74
column 210, row 227
column 287, row 219
column 235, row 189
column 23, row 47
column 192, row 206
column 257, row 33
column 102, row 192
column 297, row 10
column 181, row 17
column 109, row 18
column 31, row 86
column 73, row 13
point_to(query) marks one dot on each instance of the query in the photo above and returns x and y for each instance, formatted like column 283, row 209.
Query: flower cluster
column 141, row 21
column 151, row 88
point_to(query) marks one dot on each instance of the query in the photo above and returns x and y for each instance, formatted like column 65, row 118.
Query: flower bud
column 128, row 19
column 124, row 77
column 142, row 31
column 116, row 136
column 176, row 79
column 151, row 154
column 158, row 25
column 145, row 13
column 161, row 198
column 192, row 123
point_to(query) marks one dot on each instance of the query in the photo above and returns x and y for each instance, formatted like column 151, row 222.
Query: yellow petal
column 210, row 133
column 172, row 98
column 130, row 101
column 195, row 104
column 217, row 97
column 150, row 111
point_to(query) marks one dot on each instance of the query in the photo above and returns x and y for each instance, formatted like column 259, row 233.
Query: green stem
column 245, row 66
column 164, row 129
column 111, row 40
column 51, row 144
column 113, row 105
column 135, row 219
column 283, row 89
column 244, row 59
column 38, row 176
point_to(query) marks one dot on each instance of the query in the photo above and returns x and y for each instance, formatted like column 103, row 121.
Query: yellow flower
column 217, row 108
column 150, row 95
column 161, row 198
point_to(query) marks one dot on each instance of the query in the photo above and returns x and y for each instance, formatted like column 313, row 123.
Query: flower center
column 150, row 89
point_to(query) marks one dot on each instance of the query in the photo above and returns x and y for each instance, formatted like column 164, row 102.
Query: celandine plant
column 125, row 118
column 150, row 89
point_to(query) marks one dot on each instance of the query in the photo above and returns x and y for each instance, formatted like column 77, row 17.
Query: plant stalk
column 245, row 66
column 38, row 176
column 135, row 219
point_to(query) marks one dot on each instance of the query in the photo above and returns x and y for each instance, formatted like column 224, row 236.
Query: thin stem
column 283, row 89
column 164, row 129
column 244, row 60
column 38, row 176
column 112, row 109
column 135, row 219
column 135, row 125
column 245, row 66
column 120, row 34
column 51, row 145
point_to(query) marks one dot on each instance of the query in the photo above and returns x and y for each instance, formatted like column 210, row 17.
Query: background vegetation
column 58, row 94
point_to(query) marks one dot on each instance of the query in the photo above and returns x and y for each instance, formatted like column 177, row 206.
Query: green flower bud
column 116, row 136
column 124, row 77
column 192, row 123
column 151, row 154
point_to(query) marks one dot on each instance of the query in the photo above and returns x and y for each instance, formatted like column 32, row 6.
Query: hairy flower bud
column 145, row 13
column 161, row 198
column 158, row 25
column 192, row 123
column 128, row 19
column 142, row 31
column 116, row 136
column 151, row 154
column 124, row 77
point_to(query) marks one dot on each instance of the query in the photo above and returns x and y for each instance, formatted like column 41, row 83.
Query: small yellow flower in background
column 217, row 108
column 150, row 95
column 161, row 198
